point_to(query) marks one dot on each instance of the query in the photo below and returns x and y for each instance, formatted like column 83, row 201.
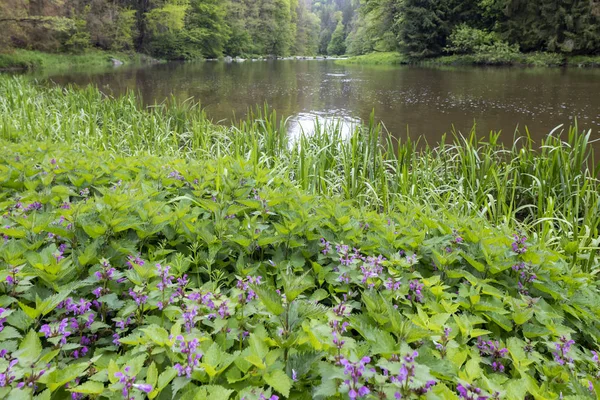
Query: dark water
column 418, row 100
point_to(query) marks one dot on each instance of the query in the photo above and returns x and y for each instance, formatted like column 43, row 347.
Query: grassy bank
column 385, row 58
column 507, row 59
column 29, row 60
column 548, row 188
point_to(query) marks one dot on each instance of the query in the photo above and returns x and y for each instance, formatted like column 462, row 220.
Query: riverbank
column 34, row 60
column 256, row 267
column 510, row 59
column 467, row 176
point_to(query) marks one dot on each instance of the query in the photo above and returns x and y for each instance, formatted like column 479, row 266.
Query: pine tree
column 422, row 27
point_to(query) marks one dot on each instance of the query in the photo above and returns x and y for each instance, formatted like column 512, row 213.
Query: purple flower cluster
column 131, row 260
column 7, row 377
column 12, row 279
column 129, row 384
column 247, row 294
column 443, row 343
column 176, row 175
column 563, row 347
column 470, row 392
column 2, row 319
column 526, row 276
column 392, row 284
column 355, row 370
column 188, row 318
column 165, row 281
column 106, row 273
column 193, row 356
column 415, row 291
column 57, row 331
column 326, row 246
column 406, row 376
column 76, row 307
column 139, row 297
column 494, row 350
column 36, row 205
column 338, row 329
column 372, row 268
column 518, row 245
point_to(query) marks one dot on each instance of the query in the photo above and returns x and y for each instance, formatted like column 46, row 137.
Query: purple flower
column 294, row 375
column 470, row 392
column 128, row 383
column 518, row 246
column 193, row 357
column 415, row 291
column 188, row 318
column 139, row 298
column 563, row 346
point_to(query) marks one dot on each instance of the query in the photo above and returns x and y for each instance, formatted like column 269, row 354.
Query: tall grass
column 547, row 188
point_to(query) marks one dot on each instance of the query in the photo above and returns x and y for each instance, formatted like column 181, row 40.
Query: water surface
column 418, row 100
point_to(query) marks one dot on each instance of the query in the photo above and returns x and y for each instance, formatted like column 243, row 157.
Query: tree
column 206, row 32
column 423, row 27
column 337, row 45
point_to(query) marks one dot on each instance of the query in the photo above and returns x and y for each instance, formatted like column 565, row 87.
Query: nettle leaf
column 157, row 334
column 59, row 377
column 279, row 381
column 89, row 387
column 294, row 286
column 30, row 349
column 270, row 299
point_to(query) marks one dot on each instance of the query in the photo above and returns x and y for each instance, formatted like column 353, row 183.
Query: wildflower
column 165, row 278
column 355, row 370
column 139, row 298
column 188, row 318
column 2, row 319
column 33, row 207
column 131, row 260
column 470, row 392
column 129, row 384
column 57, row 331
column 176, row 175
column 6, row 378
column 518, row 246
column 193, row 357
column 494, row 350
column 326, row 246
column 415, row 291
column 563, row 346
column 392, row 284
column 107, row 272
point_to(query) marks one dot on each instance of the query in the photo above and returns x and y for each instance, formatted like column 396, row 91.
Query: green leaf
column 30, row 349
column 279, row 381
column 269, row 298
column 157, row 334
column 89, row 387
column 59, row 377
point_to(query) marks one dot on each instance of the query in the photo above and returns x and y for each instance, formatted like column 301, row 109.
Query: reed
column 549, row 189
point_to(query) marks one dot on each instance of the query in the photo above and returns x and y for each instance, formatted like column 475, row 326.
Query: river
column 418, row 101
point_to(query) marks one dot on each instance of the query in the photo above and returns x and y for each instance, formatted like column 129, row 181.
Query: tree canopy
column 188, row 29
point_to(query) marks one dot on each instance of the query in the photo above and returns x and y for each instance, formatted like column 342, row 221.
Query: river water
column 417, row 101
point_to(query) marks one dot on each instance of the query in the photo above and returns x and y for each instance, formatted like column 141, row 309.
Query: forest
column 193, row 29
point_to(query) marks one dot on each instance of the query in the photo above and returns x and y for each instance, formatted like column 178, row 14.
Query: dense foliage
column 427, row 28
column 178, row 29
column 186, row 29
column 127, row 277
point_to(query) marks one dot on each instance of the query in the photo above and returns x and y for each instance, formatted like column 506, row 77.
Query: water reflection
column 408, row 100
column 307, row 123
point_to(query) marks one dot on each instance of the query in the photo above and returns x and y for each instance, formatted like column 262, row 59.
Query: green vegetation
column 147, row 253
column 27, row 59
column 552, row 191
column 478, row 32
column 387, row 58
column 179, row 29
